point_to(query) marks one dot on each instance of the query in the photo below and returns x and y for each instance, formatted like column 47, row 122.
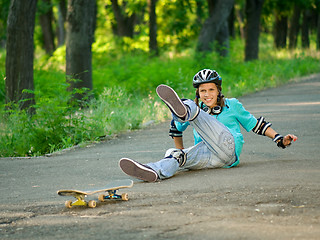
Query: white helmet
column 206, row 76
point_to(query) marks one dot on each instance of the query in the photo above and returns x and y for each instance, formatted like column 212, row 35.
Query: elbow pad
column 261, row 126
column 173, row 132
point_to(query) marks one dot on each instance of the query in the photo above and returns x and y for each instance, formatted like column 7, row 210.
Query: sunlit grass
column 124, row 80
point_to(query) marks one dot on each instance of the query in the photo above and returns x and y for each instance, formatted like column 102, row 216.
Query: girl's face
column 209, row 94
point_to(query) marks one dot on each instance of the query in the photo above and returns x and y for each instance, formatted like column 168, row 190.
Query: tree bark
column 280, row 31
column 19, row 49
column 294, row 27
column 80, row 24
column 305, row 41
column 223, row 45
column 46, row 26
column 222, row 38
column 318, row 32
column 125, row 23
column 153, row 44
column 62, row 16
column 231, row 20
column 211, row 26
column 253, row 12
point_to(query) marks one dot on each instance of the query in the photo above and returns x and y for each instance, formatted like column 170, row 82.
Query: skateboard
column 111, row 190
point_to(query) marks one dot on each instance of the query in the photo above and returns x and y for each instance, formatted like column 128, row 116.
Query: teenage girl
column 216, row 121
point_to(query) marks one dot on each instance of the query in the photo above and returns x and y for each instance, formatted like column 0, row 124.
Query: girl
column 216, row 121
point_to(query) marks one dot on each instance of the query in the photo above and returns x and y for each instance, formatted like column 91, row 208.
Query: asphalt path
column 272, row 194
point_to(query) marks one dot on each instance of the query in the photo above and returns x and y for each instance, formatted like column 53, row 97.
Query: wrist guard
column 278, row 139
column 173, row 132
column 261, row 126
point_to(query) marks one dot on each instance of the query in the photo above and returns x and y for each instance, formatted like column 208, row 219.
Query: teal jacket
column 232, row 116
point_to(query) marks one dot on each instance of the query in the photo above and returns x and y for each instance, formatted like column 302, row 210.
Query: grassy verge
column 124, row 88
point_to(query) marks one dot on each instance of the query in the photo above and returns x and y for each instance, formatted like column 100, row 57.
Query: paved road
column 273, row 194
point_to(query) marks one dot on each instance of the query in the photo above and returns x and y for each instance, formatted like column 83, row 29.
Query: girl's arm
column 286, row 139
column 176, row 134
column 178, row 142
column 264, row 128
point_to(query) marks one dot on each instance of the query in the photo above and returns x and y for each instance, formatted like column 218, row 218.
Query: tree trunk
column 218, row 16
column 223, row 45
column 253, row 12
column 231, row 19
column 80, row 22
column 280, row 31
column 19, row 49
column 294, row 27
column 153, row 44
column 62, row 16
column 199, row 12
column 239, row 18
column 318, row 32
column 46, row 26
column 125, row 23
column 305, row 42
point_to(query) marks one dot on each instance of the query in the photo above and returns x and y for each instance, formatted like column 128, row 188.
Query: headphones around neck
column 213, row 111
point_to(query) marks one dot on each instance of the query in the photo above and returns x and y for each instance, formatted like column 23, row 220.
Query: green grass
column 124, row 90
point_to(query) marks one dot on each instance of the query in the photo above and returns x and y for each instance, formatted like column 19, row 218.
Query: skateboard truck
column 112, row 195
column 80, row 202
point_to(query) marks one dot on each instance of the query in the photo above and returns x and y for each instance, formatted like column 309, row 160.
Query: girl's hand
column 288, row 139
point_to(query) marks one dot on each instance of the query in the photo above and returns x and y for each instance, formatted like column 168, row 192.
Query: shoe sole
column 172, row 100
column 137, row 170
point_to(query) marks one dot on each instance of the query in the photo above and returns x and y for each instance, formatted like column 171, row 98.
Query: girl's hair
column 220, row 100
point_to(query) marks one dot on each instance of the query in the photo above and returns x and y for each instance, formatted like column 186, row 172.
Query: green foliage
column 124, row 88
column 58, row 124
column 4, row 11
column 125, row 76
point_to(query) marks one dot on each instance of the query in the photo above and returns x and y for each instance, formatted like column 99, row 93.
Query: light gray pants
column 216, row 150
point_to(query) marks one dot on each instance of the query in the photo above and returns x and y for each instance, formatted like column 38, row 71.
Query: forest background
column 79, row 71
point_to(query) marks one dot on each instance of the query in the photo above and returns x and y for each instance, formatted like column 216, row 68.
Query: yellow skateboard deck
column 111, row 190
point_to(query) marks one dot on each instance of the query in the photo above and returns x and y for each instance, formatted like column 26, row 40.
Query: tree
column 4, row 11
column 153, row 44
column 253, row 10
column 280, row 30
column 306, row 16
column 218, row 17
column 62, row 15
column 124, row 22
column 239, row 16
column 281, row 10
column 80, row 29
column 231, row 20
column 318, row 27
column 20, row 47
column 222, row 38
column 199, row 12
column 46, row 18
column 294, row 26
column 179, row 22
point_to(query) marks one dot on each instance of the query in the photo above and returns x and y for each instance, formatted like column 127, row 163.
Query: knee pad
column 177, row 154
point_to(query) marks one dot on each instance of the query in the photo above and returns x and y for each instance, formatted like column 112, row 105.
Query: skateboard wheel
column 92, row 204
column 124, row 196
column 101, row 197
column 68, row 204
